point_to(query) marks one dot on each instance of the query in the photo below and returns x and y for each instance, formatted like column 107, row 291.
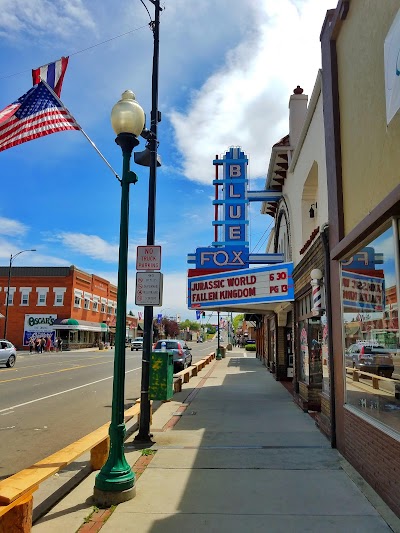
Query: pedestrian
column 42, row 345
column 31, row 345
column 48, row 344
column 60, row 342
column 37, row 345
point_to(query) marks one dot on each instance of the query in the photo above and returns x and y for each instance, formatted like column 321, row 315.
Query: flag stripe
column 51, row 75
column 42, row 117
column 26, row 130
column 30, row 134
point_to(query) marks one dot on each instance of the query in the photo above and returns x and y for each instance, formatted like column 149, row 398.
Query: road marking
column 16, row 369
column 56, row 371
column 63, row 392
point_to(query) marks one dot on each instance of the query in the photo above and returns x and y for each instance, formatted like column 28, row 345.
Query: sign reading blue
column 231, row 251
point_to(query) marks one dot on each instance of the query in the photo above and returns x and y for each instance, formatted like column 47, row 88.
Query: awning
column 83, row 325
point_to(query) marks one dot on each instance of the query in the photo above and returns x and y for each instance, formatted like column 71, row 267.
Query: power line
column 83, row 50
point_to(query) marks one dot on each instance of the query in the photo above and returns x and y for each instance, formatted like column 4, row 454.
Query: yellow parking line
column 16, row 368
column 55, row 372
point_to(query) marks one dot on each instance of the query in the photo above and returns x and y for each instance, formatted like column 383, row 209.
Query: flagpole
column 82, row 131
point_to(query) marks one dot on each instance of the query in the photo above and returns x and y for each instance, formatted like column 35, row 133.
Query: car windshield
column 170, row 345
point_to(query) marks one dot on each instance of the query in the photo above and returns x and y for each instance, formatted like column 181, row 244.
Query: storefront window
column 325, row 356
column 371, row 348
column 304, row 366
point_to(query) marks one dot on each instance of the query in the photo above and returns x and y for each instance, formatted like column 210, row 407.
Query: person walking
column 59, row 344
column 31, row 345
column 42, row 345
column 37, row 345
column 48, row 344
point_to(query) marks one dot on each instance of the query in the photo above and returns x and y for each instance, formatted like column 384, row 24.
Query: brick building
column 64, row 302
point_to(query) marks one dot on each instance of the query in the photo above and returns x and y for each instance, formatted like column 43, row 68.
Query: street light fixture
column 115, row 483
column 12, row 257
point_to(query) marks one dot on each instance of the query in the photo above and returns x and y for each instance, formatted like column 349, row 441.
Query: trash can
column 229, row 346
column 101, row 345
column 222, row 351
column 161, row 386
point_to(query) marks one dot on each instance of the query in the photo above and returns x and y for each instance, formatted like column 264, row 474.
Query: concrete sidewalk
column 233, row 453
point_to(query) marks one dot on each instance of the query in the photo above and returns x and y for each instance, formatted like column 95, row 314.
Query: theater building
column 64, row 302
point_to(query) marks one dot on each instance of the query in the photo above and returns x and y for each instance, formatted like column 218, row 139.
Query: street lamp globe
column 127, row 116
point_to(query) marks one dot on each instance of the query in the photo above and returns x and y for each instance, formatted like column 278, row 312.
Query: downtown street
column 50, row 400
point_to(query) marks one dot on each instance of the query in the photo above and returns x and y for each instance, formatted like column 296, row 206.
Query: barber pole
column 316, row 284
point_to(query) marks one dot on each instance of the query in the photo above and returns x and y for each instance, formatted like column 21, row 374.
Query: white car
column 8, row 353
column 137, row 344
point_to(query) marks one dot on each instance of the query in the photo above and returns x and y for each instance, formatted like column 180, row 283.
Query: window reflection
column 371, row 330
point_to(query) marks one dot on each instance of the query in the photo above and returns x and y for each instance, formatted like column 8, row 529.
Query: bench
column 184, row 375
column 375, row 378
column 16, row 491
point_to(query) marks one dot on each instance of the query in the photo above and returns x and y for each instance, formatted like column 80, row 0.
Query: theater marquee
column 267, row 284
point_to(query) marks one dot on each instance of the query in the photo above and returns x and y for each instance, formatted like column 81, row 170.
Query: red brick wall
column 76, row 279
column 376, row 456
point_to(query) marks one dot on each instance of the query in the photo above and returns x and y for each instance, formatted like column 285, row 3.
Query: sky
column 226, row 72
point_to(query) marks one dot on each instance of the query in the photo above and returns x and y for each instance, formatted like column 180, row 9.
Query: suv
column 8, row 353
column 370, row 358
column 137, row 344
column 180, row 350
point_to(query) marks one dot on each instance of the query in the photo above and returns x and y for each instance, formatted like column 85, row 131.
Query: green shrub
column 250, row 347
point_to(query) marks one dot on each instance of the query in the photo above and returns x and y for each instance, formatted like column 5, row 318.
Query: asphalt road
column 49, row 400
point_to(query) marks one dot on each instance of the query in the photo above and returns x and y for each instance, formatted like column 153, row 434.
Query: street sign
column 148, row 258
column 148, row 288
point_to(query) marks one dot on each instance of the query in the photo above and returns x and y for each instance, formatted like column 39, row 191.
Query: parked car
column 8, row 353
column 181, row 352
column 370, row 358
column 137, row 344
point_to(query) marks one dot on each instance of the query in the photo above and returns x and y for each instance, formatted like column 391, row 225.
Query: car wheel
column 11, row 361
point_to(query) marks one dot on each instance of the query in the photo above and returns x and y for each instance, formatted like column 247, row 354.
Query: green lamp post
column 115, row 482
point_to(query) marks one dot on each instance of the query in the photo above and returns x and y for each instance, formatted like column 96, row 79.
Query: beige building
column 360, row 52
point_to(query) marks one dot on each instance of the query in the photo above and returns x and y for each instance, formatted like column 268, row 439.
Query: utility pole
column 144, row 435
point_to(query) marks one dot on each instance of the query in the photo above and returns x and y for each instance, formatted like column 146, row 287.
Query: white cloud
column 43, row 18
column 12, row 228
column 90, row 245
column 245, row 101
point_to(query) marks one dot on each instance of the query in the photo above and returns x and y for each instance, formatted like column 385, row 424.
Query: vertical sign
column 235, row 174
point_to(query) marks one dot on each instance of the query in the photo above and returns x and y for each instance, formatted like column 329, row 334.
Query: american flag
column 36, row 114
column 52, row 74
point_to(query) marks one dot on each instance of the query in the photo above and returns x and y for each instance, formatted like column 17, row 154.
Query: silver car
column 181, row 352
column 8, row 353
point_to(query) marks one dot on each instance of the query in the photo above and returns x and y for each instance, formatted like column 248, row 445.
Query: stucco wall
column 370, row 149
column 311, row 160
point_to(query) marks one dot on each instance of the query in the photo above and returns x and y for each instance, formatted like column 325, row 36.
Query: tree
column 171, row 328
column 237, row 321
column 193, row 326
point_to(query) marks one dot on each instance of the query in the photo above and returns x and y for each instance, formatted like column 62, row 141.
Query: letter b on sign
column 234, row 171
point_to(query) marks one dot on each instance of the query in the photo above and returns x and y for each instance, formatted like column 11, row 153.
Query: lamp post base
column 106, row 498
column 218, row 355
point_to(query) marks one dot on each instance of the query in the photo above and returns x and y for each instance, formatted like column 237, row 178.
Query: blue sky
column 227, row 69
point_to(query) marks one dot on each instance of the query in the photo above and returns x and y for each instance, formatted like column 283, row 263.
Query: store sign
column 37, row 326
column 363, row 293
column 255, row 285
